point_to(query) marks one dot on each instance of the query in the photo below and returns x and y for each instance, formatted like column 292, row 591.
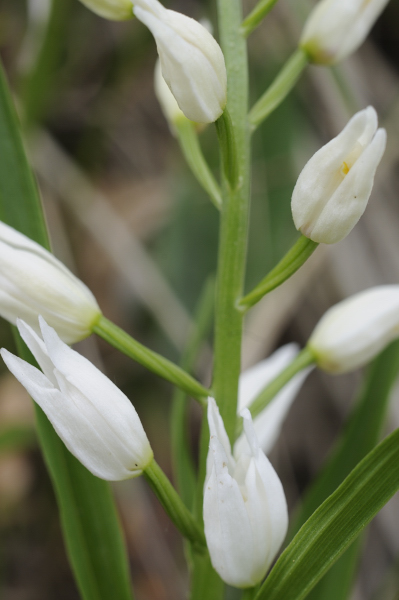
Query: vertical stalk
column 234, row 220
column 231, row 267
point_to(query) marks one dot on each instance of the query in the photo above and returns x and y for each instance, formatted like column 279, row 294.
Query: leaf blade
column 98, row 558
column 335, row 524
column 359, row 437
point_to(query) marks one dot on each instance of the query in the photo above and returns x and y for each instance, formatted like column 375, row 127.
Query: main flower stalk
column 234, row 221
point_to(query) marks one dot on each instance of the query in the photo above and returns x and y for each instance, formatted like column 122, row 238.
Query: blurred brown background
column 126, row 215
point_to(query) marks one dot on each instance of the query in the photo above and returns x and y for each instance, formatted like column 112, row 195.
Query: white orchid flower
column 245, row 511
column 336, row 28
column 94, row 419
column 33, row 282
column 333, row 189
column 192, row 62
column 354, row 331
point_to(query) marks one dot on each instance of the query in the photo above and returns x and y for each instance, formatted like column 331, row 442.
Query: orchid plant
column 236, row 520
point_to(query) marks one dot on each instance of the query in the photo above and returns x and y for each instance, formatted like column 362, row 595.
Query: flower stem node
column 245, row 511
column 355, row 330
column 33, row 282
column 114, row 10
column 94, row 419
column 192, row 62
column 336, row 28
column 333, row 189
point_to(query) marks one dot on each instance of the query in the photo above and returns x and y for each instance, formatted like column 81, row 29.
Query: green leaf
column 361, row 433
column 360, row 436
column 89, row 519
column 20, row 204
column 41, row 81
column 335, row 524
column 338, row 581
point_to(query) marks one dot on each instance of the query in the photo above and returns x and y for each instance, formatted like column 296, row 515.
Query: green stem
column 288, row 265
column 190, row 146
column 304, row 359
column 225, row 131
column 256, row 16
column 279, row 89
column 234, row 221
column 173, row 505
column 205, row 582
column 156, row 363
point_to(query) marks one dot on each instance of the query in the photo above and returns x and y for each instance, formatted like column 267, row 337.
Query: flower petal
column 227, row 526
column 217, row 431
column 269, row 422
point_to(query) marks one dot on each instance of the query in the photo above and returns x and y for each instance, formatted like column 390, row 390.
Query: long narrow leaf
column 89, row 519
column 42, row 78
column 338, row 581
column 360, row 436
column 335, row 524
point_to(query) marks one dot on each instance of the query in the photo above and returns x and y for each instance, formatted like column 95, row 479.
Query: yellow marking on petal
column 345, row 168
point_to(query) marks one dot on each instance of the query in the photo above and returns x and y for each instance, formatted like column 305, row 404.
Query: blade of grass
column 360, row 436
column 90, row 523
column 335, row 524
column 40, row 81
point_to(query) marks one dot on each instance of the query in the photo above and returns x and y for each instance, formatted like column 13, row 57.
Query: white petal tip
column 245, row 414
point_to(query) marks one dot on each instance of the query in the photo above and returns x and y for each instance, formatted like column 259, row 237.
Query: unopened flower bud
column 191, row 60
column 245, row 511
column 33, row 282
column 333, row 189
column 355, row 330
column 94, row 419
column 114, row 10
column 336, row 28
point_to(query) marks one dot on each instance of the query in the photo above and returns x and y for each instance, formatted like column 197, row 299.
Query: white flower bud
column 115, row 10
column 333, row 189
column 336, row 28
column 245, row 511
column 94, row 419
column 166, row 99
column 192, row 62
column 355, row 330
column 269, row 422
column 33, row 282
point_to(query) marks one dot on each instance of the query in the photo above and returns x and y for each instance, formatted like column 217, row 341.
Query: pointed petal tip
column 245, row 414
column 49, row 334
column 4, row 353
column 213, row 409
column 23, row 327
